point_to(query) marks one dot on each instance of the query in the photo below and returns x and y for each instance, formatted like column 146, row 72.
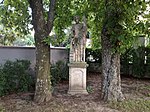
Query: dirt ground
column 62, row 102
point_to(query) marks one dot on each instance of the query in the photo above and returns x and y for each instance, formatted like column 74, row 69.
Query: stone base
column 77, row 78
column 73, row 92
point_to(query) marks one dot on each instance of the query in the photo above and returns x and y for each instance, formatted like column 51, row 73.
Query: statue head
column 77, row 19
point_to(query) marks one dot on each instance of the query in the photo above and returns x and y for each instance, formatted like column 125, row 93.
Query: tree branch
column 38, row 20
column 30, row 3
column 2, row 2
column 51, row 15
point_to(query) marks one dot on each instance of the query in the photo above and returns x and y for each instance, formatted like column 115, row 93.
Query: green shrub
column 94, row 59
column 138, row 67
column 93, row 56
column 59, row 71
column 2, row 82
column 15, row 77
column 136, row 62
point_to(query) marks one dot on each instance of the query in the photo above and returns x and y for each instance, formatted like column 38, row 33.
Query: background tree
column 42, row 27
column 16, row 15
column 120, row 28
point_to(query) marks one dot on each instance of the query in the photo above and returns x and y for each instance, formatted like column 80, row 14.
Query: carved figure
column 78, row 40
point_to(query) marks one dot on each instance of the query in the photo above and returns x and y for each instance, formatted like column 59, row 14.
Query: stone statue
column 78, row 40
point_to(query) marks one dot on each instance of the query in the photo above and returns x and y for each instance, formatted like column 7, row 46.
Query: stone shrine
column 77, row 64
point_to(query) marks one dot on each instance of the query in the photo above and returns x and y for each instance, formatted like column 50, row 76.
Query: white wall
column 28, row 53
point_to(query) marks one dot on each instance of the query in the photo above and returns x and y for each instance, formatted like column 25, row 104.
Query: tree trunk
column 42, row 29
column 111, row 83
column 43, row 86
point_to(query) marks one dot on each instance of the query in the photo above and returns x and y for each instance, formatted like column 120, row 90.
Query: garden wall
column 28, row 53
column 134, row 62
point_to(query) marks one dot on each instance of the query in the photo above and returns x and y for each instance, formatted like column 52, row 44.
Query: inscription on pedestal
column 78, row 77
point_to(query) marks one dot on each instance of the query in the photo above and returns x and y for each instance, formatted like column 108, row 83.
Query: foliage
column 126, row 60
column 89, row 89
column 2, row 82
column 126, row 17
column 28, row 40
column 14, row 19
column 131, row 105
column 134, row 62
column 93, row 58
column 14, row 77
column 122, row 23
column 93, row 55
column 138, row 66
column 65, row 12
column 59, row 71
column 15, row 16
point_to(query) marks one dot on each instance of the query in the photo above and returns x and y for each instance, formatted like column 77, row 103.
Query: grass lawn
column 131, row 105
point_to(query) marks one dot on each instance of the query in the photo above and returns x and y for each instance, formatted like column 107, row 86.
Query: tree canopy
column 16, row 16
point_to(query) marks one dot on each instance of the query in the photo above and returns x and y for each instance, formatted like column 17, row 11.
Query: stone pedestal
column 77, row 78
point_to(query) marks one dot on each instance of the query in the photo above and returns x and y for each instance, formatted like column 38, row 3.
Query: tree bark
column 43, row 85
column 42, row 28
column 111, row 82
